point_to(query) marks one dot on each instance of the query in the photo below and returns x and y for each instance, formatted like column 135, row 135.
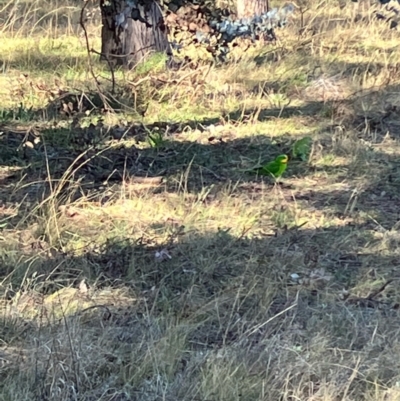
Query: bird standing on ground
column 275, row 168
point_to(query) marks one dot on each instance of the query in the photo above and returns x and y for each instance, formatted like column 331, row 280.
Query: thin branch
column 110, row 66
column 90, row 61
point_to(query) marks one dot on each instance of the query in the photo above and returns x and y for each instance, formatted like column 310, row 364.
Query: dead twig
column 90, row 61
column 110, row 66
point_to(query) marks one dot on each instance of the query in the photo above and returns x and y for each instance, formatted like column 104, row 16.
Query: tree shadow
column 94, row 157
column 67, row 162
column 81, row 166
column 215, row 263
column 375, row 200
column 226, row 292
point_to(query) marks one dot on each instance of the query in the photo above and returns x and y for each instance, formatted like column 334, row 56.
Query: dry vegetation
column 157, row 269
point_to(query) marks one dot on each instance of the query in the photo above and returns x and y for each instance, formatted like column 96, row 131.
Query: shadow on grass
column 63, row 166
column 217, row 295
column 194, row 269
column 52, row 158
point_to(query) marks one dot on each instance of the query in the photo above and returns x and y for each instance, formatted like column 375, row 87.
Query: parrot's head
column 282, row 159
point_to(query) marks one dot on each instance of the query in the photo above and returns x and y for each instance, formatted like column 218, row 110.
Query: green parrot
column 275, row 168
column 302, row 148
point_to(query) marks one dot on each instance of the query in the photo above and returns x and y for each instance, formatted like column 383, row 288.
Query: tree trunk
column 249, row 8
column 127, row 42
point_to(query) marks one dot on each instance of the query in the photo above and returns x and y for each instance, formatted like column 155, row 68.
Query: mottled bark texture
column 131, row 42
column 249, row 8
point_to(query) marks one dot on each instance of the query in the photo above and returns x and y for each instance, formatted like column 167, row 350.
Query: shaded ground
column 221, row 305
column 46, row 160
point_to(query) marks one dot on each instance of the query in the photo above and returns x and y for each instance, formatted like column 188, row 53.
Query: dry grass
column 139, row 269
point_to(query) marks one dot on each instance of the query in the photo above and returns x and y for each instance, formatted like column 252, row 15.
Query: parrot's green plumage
column 302, row 148
column 275, row 168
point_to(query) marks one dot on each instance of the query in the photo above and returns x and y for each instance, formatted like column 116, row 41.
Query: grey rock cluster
column 225, row 29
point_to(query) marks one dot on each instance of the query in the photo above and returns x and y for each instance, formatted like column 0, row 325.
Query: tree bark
column 249, row 8
column 127, row 42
